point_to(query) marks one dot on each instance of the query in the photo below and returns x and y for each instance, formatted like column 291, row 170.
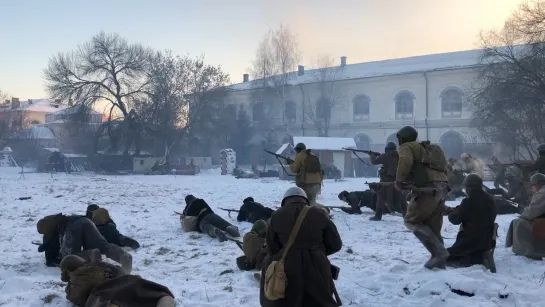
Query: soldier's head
column 541, row 149
column 101, row 216
column 248, row 200
column 406, row 134
column 71, row 263
column 189, row 199
column 344, row 196
column 294, row 193
column 391, row 146
column 472, row 183
column 537, row 181
column 90, row 209
column 259, row 227
column 299, row 147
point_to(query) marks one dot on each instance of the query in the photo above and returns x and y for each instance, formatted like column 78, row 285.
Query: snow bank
column 381, row 263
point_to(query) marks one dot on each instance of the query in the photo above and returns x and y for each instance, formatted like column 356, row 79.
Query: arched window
column 451, row 103
column 323, row 109
column 290, row 112
column 404, row 104
column 452, row 144
column 361, row 108
column 257, row 112
column 392, row 138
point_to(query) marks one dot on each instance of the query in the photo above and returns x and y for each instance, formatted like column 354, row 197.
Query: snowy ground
column 381, row 265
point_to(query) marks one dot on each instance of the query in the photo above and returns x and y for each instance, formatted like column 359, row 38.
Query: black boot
column 432, row 243
column 375, row 218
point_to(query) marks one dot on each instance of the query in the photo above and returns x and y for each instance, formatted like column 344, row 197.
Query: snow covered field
column 381, row 264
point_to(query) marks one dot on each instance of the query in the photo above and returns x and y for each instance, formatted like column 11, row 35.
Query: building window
column 290, row 112
column 404, row 104
column 257, row 112
column 34, row 122
column 451, row 103
column 231, row 111
column 361, row 108
column 323, row 109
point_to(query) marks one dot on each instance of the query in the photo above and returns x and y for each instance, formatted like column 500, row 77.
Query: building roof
column 282, row 148
column 37, row 132
column 440, row 61
column 325, row 143
column 74, row 110
column 38, row 105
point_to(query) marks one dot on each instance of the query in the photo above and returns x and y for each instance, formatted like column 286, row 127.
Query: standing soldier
column 386, row 194
column 309, row 171
column 424, row 165
column 539, row 165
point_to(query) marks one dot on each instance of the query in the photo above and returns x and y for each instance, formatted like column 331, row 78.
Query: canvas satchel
column 275, row 276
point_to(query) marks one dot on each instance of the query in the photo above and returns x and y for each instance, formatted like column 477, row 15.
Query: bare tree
column 319, row 108
column 507, row 101
column 276, row 59
column 107, row 68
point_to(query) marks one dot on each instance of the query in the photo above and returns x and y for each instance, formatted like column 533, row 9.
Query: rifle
column 229, row 210
column 237, row 242
column 355, row 151
column 406, row 186
column 278, row 157
column 369, row 152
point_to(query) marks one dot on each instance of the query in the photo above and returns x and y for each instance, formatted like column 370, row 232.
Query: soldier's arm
column 405, row 163
column 331, row 238
column 535, row 209
column 378, row 159
column 295, row 167
column 272, row 241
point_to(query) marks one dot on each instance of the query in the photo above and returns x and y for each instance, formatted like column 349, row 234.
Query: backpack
column 432, row 157
column 275, row 275
column 312, row 163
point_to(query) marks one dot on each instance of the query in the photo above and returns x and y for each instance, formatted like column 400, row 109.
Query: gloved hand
column 41, row 248
column 398, row 186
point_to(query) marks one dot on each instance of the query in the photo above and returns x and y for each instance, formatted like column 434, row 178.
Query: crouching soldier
column 253, row 246
column 476, row 216
column 71, row 235
column 93, row 283
column 252, row 211
column 198, row 216
column 358, row 199
column 107, row 227
column 526, row 234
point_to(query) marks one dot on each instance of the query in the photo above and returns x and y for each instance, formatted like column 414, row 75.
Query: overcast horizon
column 227, row 33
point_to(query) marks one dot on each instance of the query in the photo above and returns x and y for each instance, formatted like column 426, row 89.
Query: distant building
column 33, row 111
column 372, row 101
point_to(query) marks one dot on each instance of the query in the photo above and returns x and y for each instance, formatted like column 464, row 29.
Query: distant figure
column 198, row 216
column 525, row 233
column 471, row 165
column 252, row 211
column 309, row 171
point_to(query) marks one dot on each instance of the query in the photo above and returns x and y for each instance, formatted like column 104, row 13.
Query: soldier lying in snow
column 357, row 200
column 252, row 211
column 253, row 246
column 107, row 227
column 70, row 235
column 198, row 216
column 93, row 283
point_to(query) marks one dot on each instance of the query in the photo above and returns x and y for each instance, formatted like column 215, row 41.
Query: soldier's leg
column 420, row 211
column 312, row 191
column 223, row 225
column 381, row 200
column 207, row 227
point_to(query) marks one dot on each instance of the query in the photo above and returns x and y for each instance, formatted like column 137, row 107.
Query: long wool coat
column 520, row 235
column 308, row 271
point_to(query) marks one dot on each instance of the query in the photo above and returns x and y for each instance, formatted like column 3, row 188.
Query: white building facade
column 372, row 101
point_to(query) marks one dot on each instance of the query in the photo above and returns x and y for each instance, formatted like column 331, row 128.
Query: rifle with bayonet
column 278, row 157
column 229, row 211
column 369, row 152
column 355, row 153
column 406, row 186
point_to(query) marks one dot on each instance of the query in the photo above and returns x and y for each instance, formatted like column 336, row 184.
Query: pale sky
column 228, row 31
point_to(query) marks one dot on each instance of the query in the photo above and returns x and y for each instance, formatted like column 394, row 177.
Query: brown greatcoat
column 298, row 167
column 308, row 271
